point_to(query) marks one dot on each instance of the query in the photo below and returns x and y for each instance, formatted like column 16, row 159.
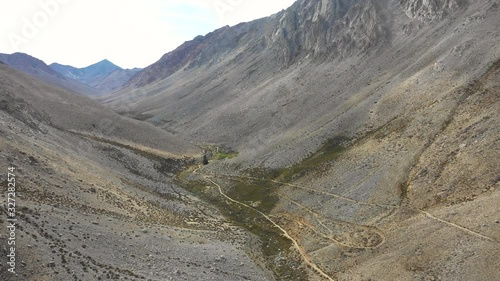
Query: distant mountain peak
column 102, row 66
column 103, row 75
column 105, row 62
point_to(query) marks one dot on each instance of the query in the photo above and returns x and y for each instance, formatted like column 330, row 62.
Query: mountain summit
column 104, row 75
column 86, row 74
column 305, row 65
column 313, row 29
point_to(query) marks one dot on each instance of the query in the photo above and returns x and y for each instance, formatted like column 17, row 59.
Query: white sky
column 130, row 33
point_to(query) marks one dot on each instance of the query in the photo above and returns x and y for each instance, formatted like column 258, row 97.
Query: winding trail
column 304, row 255
column 338, row 196
column 431, row 216
column 296, row 244
column 427, row 214
column 318, row 217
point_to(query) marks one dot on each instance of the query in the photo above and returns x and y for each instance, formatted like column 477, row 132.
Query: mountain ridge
column 84, row 74
column 94, row 176
column 104, row 75
column 363, row 118
column 307, row 28
column 242, row 58
column 39, row 69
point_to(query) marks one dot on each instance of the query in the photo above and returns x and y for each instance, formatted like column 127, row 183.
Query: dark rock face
column 322, row 28
column 318, row 28
column 430, row 10
column 306, row 28
column 288, row 71
column 328, row 28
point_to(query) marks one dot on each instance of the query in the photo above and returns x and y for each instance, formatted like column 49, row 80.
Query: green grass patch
column 260, row 195
column 328, row 152
column 331, row 150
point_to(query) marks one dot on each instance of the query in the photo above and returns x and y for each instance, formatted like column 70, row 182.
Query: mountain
column 98, row 78
column 104, row 76
column 47, row 106
column 334, row 140
column 304, row 66
column 94, row 184
column 28, row 64
column 40, row 70
column 366, row 130
column 114, row 81
column 86, row 74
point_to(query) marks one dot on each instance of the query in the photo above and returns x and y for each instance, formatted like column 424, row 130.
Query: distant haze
column 128, row 33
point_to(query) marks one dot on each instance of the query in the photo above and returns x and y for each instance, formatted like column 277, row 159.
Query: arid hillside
column 367, row 130
column 277, row 88
column 342, row 140
column 96, row 198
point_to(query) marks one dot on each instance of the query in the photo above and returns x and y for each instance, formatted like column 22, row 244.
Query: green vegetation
column 404, row 191
column 325, row 156
column 219, row 152
column 224, row 155
column 260, row 194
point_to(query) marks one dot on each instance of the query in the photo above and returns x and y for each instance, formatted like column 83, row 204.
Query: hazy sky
column 130, row 33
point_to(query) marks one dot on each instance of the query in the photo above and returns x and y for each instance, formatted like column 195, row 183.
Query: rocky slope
column 280, row 86
column 96, row 200
column 62, row 110
column 373, row 121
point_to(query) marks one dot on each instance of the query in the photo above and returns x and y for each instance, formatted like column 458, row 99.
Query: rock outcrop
column 430, row 10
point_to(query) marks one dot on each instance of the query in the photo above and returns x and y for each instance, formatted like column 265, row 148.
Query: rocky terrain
column 372, row 124
column 346, row 140
column 99, row 203
column 256, row 91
